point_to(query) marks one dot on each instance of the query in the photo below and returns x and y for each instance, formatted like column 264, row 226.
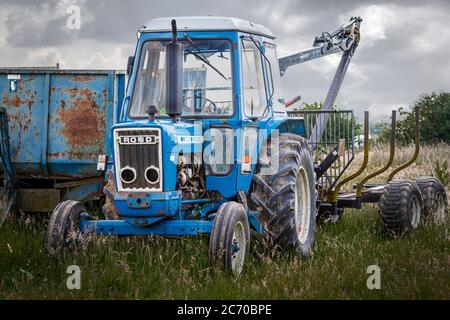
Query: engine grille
column 138, row 152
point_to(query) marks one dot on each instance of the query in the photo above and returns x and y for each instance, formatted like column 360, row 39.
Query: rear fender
column 294, row 125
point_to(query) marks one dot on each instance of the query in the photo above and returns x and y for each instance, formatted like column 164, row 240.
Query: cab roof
column 206, row 23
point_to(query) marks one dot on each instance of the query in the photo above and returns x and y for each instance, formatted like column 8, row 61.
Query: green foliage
column 434, row 121
column 383, row 132
column 441, row 172
column 312, row 106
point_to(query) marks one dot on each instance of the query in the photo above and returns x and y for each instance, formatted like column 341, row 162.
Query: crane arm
column 344, row 39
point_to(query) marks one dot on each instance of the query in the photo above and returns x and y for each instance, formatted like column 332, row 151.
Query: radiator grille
column 138, row 150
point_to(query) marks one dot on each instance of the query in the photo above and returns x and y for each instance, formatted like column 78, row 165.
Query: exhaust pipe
column 174, row 75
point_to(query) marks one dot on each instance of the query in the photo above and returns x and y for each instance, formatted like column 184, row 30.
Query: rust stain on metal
column 83, row 78
column 21, row 121
column 12, row 101
column 81, row 123
column 56, row 155
column 16, row 101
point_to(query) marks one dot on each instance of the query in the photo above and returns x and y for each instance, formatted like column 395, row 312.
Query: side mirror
column 130, row 65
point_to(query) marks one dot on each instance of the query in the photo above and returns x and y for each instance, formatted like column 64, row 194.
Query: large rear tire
column 286, row 195
column 229, row 242
column 64, row 225
column 435, row 203
column 401, row 206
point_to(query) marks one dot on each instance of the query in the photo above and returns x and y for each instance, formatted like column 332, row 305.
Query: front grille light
column 128, row 174
column 152, row 175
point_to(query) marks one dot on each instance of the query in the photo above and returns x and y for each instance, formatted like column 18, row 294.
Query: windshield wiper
column 202, row 57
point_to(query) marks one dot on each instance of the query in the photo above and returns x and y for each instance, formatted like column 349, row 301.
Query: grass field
column 415, row 266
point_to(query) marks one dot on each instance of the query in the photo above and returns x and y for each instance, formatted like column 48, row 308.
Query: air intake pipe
column 174, row 75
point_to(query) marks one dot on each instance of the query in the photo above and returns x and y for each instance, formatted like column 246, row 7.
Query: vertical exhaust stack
column 174, row 75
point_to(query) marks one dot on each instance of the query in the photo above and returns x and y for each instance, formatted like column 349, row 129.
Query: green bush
column 434, row 121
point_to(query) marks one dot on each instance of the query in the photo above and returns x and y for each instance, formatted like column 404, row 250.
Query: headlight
column 128, row 174
column 152, row 175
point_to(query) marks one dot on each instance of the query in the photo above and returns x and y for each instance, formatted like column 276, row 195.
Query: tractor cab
column 230, row 70
column 199, row 100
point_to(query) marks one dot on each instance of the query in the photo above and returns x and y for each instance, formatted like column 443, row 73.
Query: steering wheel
column 211, row 104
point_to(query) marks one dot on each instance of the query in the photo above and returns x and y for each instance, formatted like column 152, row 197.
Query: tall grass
column 424, row 165
column 415, row 266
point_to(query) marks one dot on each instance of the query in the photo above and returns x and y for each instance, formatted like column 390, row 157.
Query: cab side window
column 254, row 94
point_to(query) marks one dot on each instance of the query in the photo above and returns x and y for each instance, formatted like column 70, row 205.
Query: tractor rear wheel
column 64, row 225
column 109, row 210
column 401, row 206
column 229, row 243
column 435, row 203
column 286, row 196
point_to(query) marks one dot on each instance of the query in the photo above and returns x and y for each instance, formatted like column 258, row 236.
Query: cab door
column 255, row 109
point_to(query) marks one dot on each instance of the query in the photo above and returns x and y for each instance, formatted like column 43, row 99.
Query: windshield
column 207, row 78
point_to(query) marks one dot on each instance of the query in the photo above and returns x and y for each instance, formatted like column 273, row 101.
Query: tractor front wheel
column 401, row 206
column 64, row 225
column 230, row 237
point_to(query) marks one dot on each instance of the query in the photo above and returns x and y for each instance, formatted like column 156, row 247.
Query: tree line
column 434, row 121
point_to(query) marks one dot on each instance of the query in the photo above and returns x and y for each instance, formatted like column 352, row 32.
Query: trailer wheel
column 229, row 243
column 435, row 203
column 64, row 225
column 286, row 197
column 109, row 209
column 401, row 206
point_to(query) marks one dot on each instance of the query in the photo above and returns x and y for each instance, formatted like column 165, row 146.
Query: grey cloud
column 388, row 73
column 30, row 34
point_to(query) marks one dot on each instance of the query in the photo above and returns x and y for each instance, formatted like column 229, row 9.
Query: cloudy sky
column 404, row 50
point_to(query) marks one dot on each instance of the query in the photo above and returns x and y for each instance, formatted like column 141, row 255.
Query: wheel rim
column 415, row 212
column 238, row 248
column 302, row 206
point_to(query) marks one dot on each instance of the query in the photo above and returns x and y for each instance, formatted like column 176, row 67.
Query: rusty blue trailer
column 59, row 122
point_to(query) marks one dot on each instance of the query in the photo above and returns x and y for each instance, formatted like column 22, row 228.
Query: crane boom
column 344, row 39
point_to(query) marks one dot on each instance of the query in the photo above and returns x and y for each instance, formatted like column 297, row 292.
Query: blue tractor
column 204, row 144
